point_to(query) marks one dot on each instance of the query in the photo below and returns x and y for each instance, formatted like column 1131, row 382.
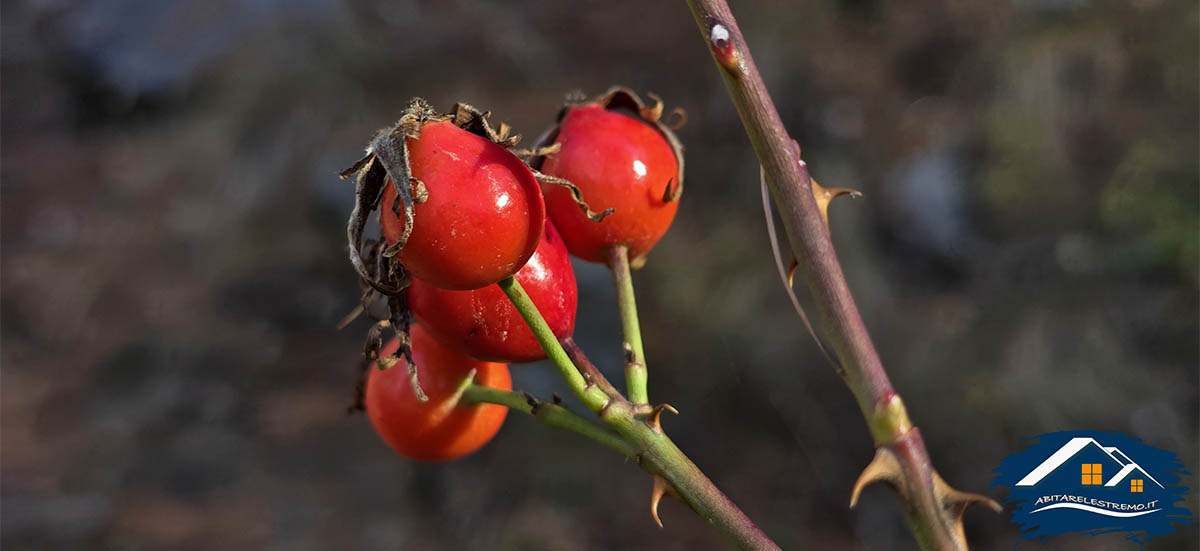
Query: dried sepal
column 538, row 151
column 622, row 98
column 401, row 323
column 387, row 160
column 651, row 113
column 575, row 194
column 420, row 192
column 671, row 192
column 619, row 97
column 379, row 270
column 370, row 358
column 385, row 363
column 677, row 119
column 368, row 191
column 475, row 120
column 374, row 342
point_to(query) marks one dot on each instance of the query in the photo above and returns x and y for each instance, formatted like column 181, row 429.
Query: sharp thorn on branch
column 884, row 467
column 661, row 488
column 654, row 419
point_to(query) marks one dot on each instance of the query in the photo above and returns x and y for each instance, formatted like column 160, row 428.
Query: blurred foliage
column 1025, row 256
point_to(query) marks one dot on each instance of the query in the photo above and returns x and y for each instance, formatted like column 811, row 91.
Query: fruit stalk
column 928, row 510
column 549, row 413
column 635, row 363
column 590, row 394
column 655, row 452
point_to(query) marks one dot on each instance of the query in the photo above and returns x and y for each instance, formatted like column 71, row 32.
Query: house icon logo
column 1094, row 483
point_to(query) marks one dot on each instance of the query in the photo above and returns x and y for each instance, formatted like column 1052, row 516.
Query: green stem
column 635, row 364
column 591, row 395
column 655, row 452
column 548, row 413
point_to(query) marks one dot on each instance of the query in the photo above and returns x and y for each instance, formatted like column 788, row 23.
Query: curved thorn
column 883, row 468
column 661, row 488
column 655, row 417
column 955, row 503
column 825, row 195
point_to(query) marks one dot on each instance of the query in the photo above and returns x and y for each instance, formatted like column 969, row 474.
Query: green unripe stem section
column 635, row 366
column 591, row 395
column 548, row 413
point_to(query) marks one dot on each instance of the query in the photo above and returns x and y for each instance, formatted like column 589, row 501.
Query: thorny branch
column 933, row 508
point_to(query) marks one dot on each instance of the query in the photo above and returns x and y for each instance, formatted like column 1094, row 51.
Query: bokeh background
column 1025, row 256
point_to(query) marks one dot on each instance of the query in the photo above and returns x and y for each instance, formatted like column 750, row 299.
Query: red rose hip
column 618, row 162
column 483, row 216
column 438, row 429
column 483, row 322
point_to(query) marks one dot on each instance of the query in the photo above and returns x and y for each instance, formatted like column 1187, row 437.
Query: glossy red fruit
column 483, row 322
column 618, row 162
column 484, row 213
column 437, row 429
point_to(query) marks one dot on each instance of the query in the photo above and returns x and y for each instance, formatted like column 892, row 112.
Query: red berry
column 483, row 217
column 437, row 429
column 617, row 162
column 484, row 324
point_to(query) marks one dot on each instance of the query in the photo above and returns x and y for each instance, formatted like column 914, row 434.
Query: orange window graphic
column 1092, row 474
column 1135, row 485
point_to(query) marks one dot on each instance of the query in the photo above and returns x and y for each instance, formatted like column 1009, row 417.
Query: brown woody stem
column 808, row 234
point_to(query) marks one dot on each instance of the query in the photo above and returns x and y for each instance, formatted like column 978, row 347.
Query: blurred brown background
column 1025, row 256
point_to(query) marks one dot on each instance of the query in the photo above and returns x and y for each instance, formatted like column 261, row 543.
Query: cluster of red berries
column 473, row 214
